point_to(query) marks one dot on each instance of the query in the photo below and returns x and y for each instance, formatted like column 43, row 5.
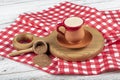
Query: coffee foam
column 73, row 22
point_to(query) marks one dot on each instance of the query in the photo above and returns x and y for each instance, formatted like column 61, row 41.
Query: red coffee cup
column 74, row 31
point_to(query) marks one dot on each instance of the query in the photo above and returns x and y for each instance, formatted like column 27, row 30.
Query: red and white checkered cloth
column 114, row 15
column 43, row 23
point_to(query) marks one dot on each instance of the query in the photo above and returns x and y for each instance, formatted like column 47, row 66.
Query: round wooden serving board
column 78, row 54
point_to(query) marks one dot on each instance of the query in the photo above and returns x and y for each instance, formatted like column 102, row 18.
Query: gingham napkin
column 114, row 15
column 44, row 22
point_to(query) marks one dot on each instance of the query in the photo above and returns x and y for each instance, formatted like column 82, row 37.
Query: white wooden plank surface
column 11, row 70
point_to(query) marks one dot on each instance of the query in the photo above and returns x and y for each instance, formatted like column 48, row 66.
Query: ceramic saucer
column 83, row 43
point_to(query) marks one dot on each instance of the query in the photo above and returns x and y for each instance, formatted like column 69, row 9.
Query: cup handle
column 58, row 28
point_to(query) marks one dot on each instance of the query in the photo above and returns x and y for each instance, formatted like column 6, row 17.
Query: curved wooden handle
column 21, row 52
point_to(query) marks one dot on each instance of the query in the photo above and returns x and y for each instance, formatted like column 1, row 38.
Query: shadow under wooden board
column 77, row 54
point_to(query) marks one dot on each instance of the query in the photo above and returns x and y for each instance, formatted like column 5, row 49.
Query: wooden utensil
column 76, row 54
column 24, row 41
column 39, row 47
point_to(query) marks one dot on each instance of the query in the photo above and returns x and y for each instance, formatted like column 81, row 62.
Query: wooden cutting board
column 79, row 54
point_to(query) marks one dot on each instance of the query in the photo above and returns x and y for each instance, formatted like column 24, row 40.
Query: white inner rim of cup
column 73, row 22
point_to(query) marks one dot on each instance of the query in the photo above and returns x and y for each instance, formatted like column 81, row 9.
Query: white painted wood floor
column 11, row 70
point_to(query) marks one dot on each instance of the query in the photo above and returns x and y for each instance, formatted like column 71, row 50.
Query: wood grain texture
column 78, row 54
column 9, row 11
column 91, row 45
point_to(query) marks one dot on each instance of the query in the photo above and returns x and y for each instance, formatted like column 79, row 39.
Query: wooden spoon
column 39, row 47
